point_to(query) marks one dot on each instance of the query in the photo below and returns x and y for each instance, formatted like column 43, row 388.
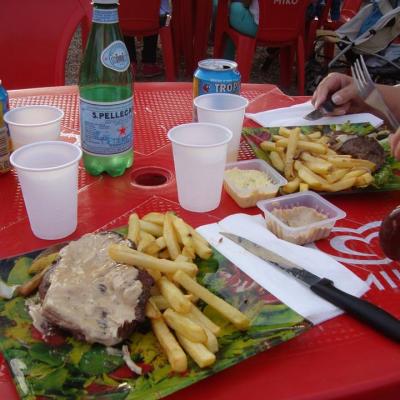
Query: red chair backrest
column 350, row 8
column 352, row 5
column 34, row 40
column 138, row 17
column 281, row 20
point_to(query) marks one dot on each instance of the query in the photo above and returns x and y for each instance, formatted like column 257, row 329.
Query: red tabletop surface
column 338, row 359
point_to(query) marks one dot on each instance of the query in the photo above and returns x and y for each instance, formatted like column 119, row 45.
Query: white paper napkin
column 289, row 290
column 293, row 116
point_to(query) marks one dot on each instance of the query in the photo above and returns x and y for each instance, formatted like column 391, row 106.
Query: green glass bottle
column 106, row 95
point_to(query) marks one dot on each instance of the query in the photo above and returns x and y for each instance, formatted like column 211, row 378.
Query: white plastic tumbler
column 199, row 151
column 33, row 123
column 225, row 109
column 48, row 175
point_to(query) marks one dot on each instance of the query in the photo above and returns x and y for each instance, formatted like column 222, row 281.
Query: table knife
column 326, row 107
column 325, row 288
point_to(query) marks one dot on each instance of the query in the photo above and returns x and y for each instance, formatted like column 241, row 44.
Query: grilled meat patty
column 87, row 293
column 366, row 148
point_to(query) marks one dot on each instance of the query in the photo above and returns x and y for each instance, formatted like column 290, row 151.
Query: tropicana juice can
column 216, row 76
column 4, row 136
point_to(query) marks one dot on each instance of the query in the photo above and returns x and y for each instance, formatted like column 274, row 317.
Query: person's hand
column 343, row 92
column 394, row 141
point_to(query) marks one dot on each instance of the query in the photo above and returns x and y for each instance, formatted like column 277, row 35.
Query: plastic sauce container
column 248, row 196
column 308, row 232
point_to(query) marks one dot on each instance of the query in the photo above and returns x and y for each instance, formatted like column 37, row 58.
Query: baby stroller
column 372, row 33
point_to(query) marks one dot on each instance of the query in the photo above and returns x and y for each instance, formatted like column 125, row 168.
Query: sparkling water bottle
column 106, row 95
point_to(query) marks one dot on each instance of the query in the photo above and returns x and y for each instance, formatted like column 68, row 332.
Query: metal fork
column 369, row 92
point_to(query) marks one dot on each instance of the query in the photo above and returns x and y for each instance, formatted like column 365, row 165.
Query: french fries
column 125, row 255
column 174, row 296
column 167, row 245
column 154, row 217
column 41, row 263
column 183, row 232
column 150, row 227
column 134, row 229
column 185, row 326
column 229, row 312
column 200, row 354
column 30, row 286
column 290, row 153
column 203, row 320
column 212, row 341
column 170, row 237
column 312, row 147
column 162, row 303
column 151, row 310
column 292, row 186
column 277, row 161
column 176, row 356
column 307, row 162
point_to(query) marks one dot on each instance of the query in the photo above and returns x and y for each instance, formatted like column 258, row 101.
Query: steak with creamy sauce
column 88, row 294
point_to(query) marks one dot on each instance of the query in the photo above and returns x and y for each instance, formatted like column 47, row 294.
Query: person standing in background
column 150, row 68
column 244, row 17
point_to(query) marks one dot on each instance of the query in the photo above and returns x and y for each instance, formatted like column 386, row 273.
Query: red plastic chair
column 183, row 31
column 282, row 24
column 191, row 20
column 142, row 18
column 202, row 22
column 34, row 40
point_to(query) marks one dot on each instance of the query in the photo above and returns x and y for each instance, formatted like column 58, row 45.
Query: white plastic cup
column 48, row 175
column 225, row 109
column 34, row 123
column 199, row 151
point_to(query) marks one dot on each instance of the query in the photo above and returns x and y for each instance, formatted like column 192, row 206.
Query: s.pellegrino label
column 106, row 128
column 105, row 16
column 115, row 56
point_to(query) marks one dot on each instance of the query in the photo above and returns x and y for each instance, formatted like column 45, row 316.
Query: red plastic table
column 340, row 358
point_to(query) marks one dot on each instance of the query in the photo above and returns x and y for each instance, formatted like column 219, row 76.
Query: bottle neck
column 105, row 13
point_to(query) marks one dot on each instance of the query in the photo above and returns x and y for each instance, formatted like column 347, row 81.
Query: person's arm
column 391, row 96
column 394, row 141
column 345, row 95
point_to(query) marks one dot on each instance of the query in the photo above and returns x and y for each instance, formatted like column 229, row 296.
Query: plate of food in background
column 335, row 158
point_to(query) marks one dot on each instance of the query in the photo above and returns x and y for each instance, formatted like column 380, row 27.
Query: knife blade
column 361, row 309
column 326, row 107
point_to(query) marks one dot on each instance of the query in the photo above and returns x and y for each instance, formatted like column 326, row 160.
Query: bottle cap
column 106, row 1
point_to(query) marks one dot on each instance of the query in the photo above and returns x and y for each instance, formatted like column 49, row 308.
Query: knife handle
column 361, row 309
column 328, row 105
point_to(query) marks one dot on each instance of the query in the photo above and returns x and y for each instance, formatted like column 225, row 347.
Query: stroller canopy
column 374, row 27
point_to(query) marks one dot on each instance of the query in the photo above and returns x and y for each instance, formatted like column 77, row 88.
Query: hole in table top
column 150, row 177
